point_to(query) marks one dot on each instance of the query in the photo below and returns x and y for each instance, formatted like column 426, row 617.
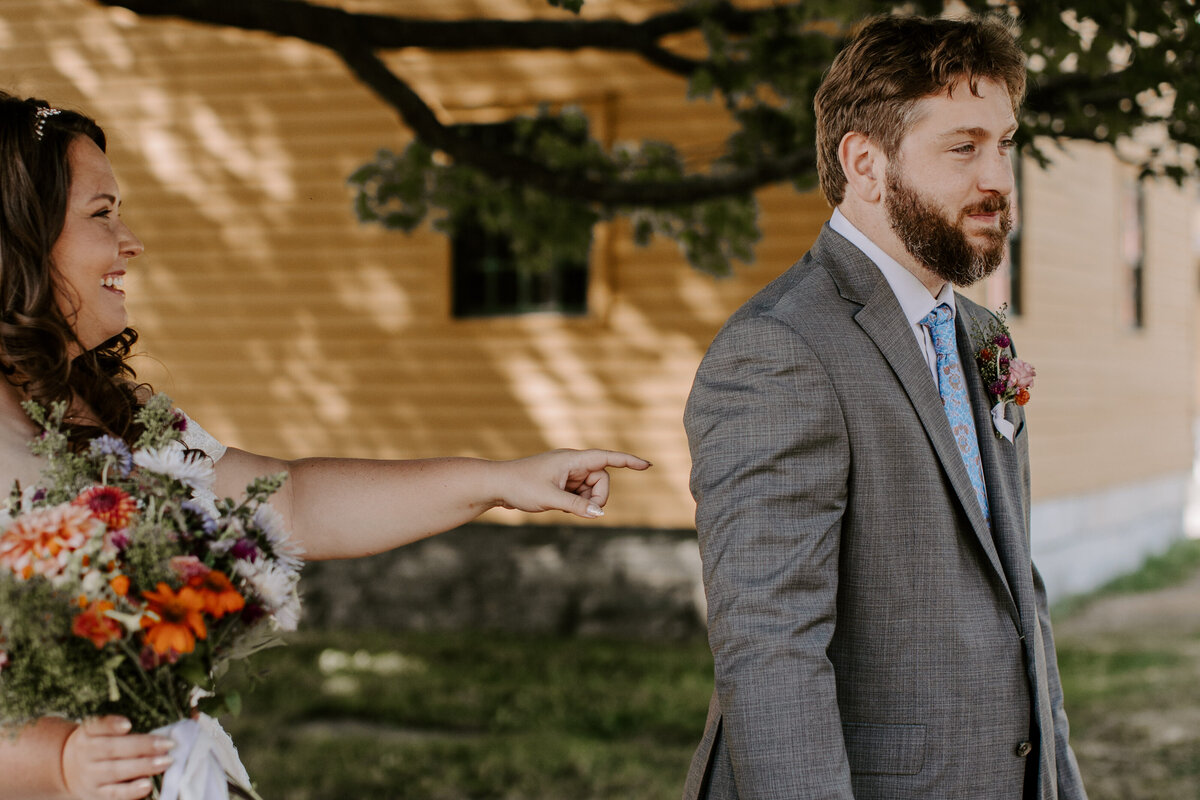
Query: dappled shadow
column 285, row 326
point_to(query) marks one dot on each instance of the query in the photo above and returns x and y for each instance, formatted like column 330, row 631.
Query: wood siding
column 285, row 326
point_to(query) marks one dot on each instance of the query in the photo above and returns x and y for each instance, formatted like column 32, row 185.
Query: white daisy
column 272, row 583
column 287, row 551
column 192, row 469
column 288, row 616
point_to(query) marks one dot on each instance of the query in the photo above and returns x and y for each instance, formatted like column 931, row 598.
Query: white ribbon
column 205, row 760
column 1003, row 426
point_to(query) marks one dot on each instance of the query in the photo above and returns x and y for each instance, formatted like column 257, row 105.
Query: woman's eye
column 104, row 212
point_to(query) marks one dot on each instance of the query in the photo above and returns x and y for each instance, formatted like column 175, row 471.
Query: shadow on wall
column 284, row 326
column 543, row 580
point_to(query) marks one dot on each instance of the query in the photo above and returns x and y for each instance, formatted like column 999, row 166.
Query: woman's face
column 90, row 254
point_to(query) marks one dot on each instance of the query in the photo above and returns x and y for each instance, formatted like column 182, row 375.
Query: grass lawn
column 471, row 715
column 475, row 715
column 1130, row 661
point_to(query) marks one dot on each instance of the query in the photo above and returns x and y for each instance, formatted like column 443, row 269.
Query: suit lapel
column 882, row 319
column 1000, row 468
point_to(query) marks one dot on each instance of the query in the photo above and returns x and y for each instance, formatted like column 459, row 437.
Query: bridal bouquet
column 127, row 588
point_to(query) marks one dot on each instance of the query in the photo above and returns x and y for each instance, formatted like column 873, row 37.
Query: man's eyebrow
column 974, row 132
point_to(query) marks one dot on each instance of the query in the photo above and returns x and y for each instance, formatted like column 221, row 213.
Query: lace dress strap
column 196, row 438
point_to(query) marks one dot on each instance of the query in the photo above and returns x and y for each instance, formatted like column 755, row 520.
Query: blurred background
column 491, row 227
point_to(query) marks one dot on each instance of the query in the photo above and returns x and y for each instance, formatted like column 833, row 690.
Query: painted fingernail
column 163, row 761
column 164, row 744
column 594, row 510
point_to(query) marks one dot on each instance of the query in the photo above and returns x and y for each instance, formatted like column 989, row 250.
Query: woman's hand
column 101, row 760
column 575, row 481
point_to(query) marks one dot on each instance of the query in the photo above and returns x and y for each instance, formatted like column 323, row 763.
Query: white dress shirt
column 915, row 300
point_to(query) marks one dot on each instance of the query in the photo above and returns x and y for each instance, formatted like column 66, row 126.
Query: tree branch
column 346, row 33
column 385, row 32
column 509, row 166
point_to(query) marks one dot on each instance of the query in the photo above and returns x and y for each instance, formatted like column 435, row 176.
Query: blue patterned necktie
column 940, row 322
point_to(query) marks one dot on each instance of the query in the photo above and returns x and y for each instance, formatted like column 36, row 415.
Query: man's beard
column 939, row 244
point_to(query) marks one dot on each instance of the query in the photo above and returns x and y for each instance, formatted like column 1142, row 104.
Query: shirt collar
column 915, row 300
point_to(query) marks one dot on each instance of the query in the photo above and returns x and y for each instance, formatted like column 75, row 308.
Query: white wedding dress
column 206, row 761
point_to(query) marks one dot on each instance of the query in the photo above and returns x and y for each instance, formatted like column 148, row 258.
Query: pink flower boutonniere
column 1007, row 379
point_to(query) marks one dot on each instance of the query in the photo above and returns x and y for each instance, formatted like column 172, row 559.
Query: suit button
column 1024, row 749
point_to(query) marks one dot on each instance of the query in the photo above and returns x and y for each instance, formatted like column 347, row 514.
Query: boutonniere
column 1007, row 379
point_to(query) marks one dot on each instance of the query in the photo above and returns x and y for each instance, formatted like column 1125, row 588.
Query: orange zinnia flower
column 93, row 624
column 39, row 542
column 220, row 598
column 179, row 623
column 120, row 584
column 109, row 504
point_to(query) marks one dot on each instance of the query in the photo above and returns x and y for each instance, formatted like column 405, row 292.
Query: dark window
column 1133, row 250
column 490, row 282
column 1015, row 262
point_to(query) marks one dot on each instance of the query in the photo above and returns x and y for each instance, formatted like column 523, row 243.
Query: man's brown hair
column 890, row 64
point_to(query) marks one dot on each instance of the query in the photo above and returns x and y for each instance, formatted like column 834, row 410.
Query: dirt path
column 1131, row 674
column 1174, row 609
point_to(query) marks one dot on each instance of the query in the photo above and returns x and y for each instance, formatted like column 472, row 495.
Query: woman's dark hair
column 36, row 339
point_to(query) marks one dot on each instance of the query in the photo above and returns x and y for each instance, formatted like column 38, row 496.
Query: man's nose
column 997, row 174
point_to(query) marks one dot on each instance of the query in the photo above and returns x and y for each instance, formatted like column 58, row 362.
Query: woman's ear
column 865, row 166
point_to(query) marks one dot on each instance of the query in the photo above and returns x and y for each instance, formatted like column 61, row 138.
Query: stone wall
column 555, row 580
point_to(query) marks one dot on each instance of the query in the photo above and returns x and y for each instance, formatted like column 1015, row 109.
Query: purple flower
column 998, row 388
column 110, row 447
column 40, row 494
column 149, row 659
column 252, row 613
column 119, row 540
column 180, row 422
column 1001, row 340
column 244, row 550
column 1004, row 362
column 207, row 523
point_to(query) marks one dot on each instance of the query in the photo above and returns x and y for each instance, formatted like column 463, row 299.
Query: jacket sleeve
column 1070, row 782
column 770, row 456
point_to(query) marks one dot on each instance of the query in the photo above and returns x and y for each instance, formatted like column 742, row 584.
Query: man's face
column 948, row 188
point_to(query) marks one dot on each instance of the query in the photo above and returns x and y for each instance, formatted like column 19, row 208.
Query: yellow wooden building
column 284, row 325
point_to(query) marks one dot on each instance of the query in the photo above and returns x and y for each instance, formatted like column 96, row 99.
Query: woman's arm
column 344, row 508
column 54, row 758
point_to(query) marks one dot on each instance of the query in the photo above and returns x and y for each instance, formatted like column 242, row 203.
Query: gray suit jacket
column 872, row 638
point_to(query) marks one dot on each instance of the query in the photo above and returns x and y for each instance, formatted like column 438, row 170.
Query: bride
column 63, row 336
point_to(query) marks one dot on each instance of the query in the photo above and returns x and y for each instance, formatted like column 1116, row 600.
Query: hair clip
column 39, row 128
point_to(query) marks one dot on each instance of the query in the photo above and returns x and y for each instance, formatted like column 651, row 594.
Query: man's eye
column 964, row 148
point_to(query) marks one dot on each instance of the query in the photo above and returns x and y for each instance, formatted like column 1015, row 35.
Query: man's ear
column 865, row 166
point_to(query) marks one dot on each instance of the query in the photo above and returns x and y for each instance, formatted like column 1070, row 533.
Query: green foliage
column 399, row 191
column 1099, row 70
column 35, row 689
column 66, row 472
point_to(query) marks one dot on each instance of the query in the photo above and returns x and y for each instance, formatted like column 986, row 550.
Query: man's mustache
column 989, row 205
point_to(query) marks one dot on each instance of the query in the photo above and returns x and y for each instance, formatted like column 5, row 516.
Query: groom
column 877, row 627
